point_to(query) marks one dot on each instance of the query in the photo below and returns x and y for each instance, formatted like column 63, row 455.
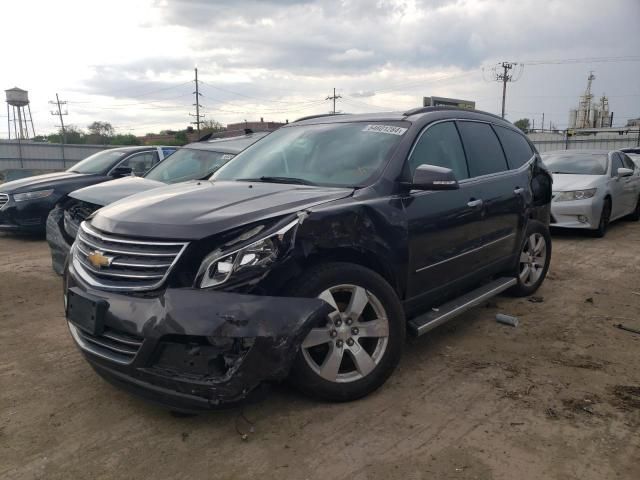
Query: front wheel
column 605, row 216
column 535, row 257
column 353, row 351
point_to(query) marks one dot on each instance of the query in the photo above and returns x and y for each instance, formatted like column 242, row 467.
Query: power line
column 148, row 92
column 628, row 58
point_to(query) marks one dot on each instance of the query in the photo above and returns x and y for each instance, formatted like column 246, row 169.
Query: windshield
column 335, row 154
column 576, row 163
column 99, row 162
column 188, row 164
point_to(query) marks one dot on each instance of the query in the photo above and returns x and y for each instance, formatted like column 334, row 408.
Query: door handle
column 518, row 191
column 474, row 203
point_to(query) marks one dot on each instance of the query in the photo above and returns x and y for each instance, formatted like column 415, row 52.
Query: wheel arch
column 366, row 259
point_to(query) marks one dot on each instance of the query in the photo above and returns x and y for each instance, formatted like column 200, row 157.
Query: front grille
column 111, row 344
column 121, row 263
column 4, row 198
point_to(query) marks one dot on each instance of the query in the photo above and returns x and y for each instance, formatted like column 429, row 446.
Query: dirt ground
column 558, row 397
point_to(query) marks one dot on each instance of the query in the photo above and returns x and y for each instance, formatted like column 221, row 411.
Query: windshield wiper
column 265, row 179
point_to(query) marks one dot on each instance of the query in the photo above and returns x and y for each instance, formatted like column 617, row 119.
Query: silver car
column 592, row 188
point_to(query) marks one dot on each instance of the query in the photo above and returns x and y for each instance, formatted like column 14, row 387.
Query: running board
column 434, row 318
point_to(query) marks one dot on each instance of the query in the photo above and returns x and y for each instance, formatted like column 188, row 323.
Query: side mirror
column 430, row 177
column 624, row 172
column 121, row 171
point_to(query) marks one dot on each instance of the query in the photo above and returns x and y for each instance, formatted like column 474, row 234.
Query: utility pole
column 502, row 72
column 334, row 98
column 197, row 105
column 60, row 115
column 504, row 77
column 543, row 121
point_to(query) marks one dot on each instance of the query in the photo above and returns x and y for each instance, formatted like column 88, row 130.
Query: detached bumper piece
column 191, row 349
column 57, row 240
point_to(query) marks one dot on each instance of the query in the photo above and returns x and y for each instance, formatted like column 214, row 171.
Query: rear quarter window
column 484, row 152
column 515, row 146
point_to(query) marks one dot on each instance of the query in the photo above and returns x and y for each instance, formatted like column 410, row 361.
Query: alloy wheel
column 533, row 259
column 353, row 340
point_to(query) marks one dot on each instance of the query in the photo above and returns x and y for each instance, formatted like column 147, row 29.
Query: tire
column 364, row 362
column 635, row 215
column 532, row 268
column 605, row 216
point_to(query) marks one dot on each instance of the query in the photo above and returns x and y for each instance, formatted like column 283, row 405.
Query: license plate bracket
column 86, row 311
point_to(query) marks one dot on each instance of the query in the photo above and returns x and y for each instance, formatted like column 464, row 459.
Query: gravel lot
column 556, row 398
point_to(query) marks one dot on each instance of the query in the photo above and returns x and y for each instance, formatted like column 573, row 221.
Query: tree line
column 103, row 133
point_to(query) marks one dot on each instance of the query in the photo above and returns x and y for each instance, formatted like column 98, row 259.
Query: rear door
column 502, row 191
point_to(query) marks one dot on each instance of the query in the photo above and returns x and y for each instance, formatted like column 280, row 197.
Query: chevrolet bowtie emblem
column 99, row 259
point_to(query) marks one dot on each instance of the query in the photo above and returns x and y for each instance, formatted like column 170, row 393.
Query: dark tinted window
column 617, row 163
column 483, row 149
column 515, row 146
column 440, row 145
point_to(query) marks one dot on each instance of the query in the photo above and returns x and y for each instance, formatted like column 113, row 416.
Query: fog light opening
column 583, row 219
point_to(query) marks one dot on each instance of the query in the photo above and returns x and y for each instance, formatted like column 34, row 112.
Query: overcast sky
column 130, row 62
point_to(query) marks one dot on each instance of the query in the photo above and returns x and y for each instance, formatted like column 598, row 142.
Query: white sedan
column 592, row 188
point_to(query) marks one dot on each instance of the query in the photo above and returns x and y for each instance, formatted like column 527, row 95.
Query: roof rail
column 437, row 108
column 310, row 117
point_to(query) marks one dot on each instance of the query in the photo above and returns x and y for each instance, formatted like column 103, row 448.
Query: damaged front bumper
column 57, row 240
column 191, row 349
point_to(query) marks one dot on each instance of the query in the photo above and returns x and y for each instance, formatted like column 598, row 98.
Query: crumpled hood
column 38, row 182
column 109, row 192
column 564, row 182
column 194, row 210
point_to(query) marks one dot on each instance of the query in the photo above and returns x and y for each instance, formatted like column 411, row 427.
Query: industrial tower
column 19, row 113
column 589, row 114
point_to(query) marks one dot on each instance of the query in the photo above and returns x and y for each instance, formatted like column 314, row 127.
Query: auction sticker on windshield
column 385, row 129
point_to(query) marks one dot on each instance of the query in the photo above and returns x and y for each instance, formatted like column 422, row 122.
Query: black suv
column 308, row 256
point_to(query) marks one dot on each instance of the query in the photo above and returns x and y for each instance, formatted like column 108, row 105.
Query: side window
column 141, row 162
column 617, row 163
column 515, row 146
column 483, row 149
column 440, row 145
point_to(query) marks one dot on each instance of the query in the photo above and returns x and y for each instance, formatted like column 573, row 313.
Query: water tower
column 19, row 113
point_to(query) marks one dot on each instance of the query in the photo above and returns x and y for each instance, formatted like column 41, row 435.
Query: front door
column 455, row 234
column 443, row 225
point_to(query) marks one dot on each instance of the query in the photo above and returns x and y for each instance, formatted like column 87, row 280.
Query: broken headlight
column 247, row 263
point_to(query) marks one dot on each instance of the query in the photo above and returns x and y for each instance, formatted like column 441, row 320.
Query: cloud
column 281, row 58
column 362, row 94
